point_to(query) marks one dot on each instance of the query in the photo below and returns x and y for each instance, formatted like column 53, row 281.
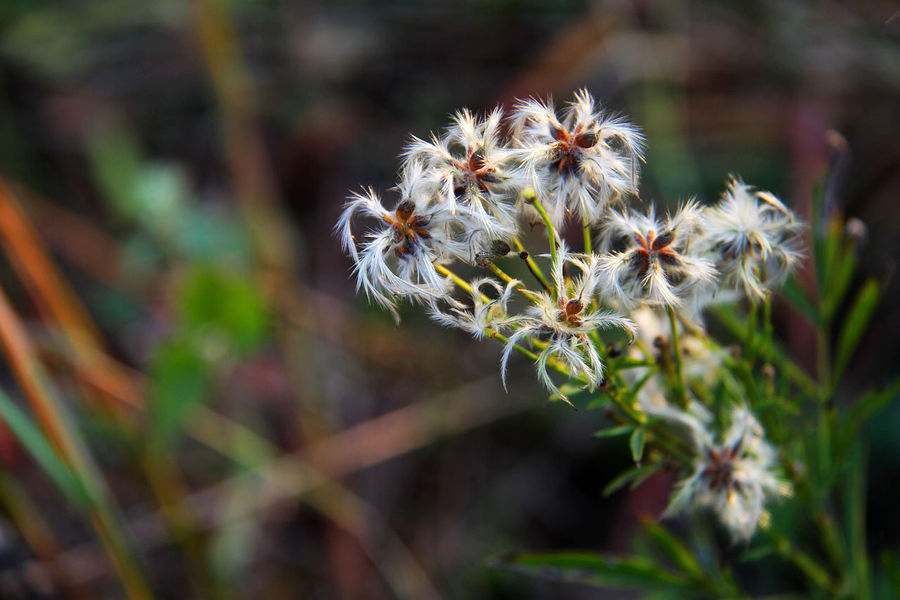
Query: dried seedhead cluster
column 644, row 278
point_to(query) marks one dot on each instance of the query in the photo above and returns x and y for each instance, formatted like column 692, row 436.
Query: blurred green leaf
column 614, row 431
column 635, row 476
column 855, row 325
column 855, row 510
column 594, row 569
column 636, row 444
column 797, row 298
column 675, row 549
column 211, row 299
column 758, row 552
column 887, row 582
column 116, row 161
column 40, row 448
column 866, row 407
column 180, row 380
column 737, row 325
column 837, row 286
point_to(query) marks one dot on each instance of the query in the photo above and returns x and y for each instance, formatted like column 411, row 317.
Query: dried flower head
column 564, row 322
column 754, row 238
column 485, row 315
column 733, row 477
column 579, row 162
column 657, row 265
column 468, row 168
column 397, row 260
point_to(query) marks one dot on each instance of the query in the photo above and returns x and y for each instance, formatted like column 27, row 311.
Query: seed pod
column 483, row 259
column 586, row 140
column 499, row 248
column 405, row 210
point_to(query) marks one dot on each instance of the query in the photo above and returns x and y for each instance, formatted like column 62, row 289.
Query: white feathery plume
column 658, row 265
column 468, row 168
column 485, row 314
column 578, row 162
column 564, row 323
column 733, row 476
column 754, row 238
column 397, row 259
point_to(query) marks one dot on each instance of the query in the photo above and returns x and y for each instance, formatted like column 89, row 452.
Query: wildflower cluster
column 644, row 279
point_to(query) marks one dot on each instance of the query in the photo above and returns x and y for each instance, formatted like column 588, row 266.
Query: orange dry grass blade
column 29, row 372
column 39, row 273
column 57, row 301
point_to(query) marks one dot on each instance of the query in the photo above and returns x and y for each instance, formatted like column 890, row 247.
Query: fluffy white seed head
column 397, row 258
column 565, row 322
column 658, row 263
column 484, row 315
column 733, row 477
column 753, row 237
column 468, row 169
column 578, row 162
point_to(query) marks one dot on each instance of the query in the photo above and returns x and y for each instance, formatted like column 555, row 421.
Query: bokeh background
column 171, row 173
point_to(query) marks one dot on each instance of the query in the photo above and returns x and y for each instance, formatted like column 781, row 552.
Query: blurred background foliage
column 239, row 422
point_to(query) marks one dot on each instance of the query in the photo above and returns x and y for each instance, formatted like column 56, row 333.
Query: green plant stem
column 644, row 349
column 532, row 266
column 551, row 230
column 767, row 330
column 520, row 287
column 750, row 341
column 823, row 359
column 679, row 390
column 496, row 335
column 459, row 281
column 586, row 231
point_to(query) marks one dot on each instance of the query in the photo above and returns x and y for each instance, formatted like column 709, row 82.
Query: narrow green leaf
column 614, row 431
column 797, row 298
column 594, row 569
column 855, row 504
column 636, row 475
column 633, row 392
column 862, row 411
column 757, row 553
column 675, row 549
column 837, row 289
column 870, row 404
column 738, row 327
column 636, row 443
column 855, row 325
column 833, row 236
column 39, row 447
column 633, row 363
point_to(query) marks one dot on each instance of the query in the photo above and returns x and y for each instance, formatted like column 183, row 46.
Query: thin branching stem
column 586, row 231
column 462, row 283
column 679, row 390
column 551, row 230
column 520, row 287
column 532, row 266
